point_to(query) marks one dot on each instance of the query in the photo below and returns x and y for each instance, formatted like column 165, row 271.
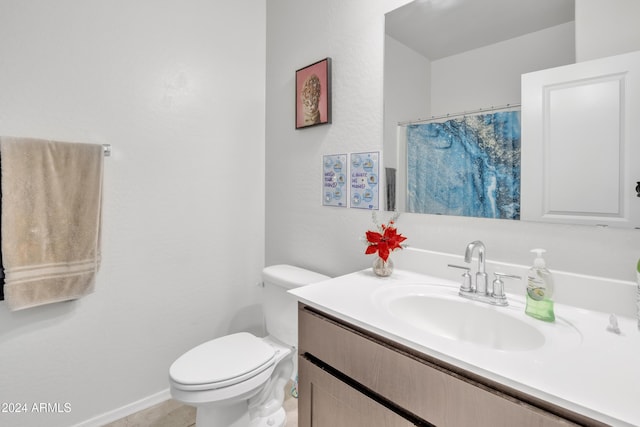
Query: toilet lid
column 223, row 359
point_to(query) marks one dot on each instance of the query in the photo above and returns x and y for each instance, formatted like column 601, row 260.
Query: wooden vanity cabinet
column 349, row 377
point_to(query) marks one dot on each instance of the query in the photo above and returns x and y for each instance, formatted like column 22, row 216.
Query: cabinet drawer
column 329, row 402
column 420, row 387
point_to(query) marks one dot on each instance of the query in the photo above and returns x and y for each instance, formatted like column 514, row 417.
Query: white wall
column 606, row 28
column 300, row 230
column 407, row 92
column 490, row 76
column 177, row 87
column 300, row 32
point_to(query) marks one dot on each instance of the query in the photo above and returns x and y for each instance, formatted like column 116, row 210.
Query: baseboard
column 124, row 411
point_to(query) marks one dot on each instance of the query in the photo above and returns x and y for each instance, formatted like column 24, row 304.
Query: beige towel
column 51, row 215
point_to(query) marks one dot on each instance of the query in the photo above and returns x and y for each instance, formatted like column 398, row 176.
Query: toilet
column 239, row 380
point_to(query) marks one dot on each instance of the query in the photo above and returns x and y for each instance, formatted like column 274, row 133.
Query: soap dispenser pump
column 540, row 290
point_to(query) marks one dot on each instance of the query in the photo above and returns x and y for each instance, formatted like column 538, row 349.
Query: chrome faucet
column 481, row 275
column 480, row 291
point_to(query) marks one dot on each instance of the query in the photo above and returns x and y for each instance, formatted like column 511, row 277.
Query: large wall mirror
column 514, row 109
column 452, row 76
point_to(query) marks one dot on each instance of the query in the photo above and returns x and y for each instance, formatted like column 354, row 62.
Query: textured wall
column 177, row 88
column 299, row 33
column 300, row 230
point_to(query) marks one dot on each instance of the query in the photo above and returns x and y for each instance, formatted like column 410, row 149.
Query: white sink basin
column 462, row 320
column 440, row 311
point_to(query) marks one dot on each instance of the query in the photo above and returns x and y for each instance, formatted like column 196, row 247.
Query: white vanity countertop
column 594, row 372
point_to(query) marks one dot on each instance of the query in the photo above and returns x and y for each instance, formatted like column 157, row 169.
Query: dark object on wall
column 313, row 94
column 390, row 175
column 1, row 266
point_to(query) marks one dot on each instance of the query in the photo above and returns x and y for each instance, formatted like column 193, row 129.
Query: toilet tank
column 280, row 307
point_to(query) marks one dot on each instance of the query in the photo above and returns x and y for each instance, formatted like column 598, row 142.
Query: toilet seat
column 222, row 362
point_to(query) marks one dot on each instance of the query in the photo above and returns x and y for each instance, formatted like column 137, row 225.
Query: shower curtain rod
column 464, row 113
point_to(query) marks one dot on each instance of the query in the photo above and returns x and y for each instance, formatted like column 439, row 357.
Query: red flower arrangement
column 384, row 241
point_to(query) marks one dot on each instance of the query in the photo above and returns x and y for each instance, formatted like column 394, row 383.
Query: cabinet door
column 325, row 401
column 581, row 142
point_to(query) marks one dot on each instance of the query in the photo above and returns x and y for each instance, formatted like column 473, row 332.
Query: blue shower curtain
column 468, row 166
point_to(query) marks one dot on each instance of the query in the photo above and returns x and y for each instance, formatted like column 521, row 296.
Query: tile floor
column 175, row 414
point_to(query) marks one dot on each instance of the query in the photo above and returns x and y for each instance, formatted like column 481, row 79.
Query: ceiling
column 441, row 28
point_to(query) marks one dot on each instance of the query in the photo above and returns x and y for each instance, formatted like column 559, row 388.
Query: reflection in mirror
column 465, row 165
column 445, row 59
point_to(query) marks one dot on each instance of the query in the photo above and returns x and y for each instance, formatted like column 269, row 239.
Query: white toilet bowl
column 239, row 380
column 234, row 381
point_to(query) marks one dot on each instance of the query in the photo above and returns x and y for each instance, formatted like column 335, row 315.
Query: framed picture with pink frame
column 313, row 94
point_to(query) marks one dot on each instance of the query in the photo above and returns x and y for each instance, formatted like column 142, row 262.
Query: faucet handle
column 498, row 294
column 466, row 278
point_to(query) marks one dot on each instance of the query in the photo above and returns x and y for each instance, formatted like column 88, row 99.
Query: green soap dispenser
column 540, row 290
